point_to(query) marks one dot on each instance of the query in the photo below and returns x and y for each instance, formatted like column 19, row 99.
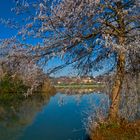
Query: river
column 60, row 116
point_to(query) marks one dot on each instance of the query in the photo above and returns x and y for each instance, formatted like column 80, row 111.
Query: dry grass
column 48, row 88
column 115, row 131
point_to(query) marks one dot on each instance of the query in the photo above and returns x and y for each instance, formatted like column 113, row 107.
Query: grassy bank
column 117, row 131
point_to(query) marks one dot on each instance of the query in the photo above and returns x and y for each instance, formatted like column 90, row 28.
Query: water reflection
column 47, row 117
column 15, row 118
column 72, row 91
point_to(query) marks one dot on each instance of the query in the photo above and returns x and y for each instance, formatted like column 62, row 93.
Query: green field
column 79, row 86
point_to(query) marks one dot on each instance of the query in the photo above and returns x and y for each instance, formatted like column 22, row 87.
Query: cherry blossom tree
column 84, row 33
column 16, row 62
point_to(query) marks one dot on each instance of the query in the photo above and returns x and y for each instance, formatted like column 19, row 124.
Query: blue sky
column 5, row 12
column 6, row 32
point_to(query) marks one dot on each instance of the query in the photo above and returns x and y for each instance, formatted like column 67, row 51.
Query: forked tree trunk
column 113, row 114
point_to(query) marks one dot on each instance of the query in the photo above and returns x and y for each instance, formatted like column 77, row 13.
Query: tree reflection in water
column 14, row 118
column 17, row 122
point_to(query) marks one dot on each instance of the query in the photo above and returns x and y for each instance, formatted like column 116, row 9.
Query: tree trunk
column 138, row 83
column 116, row 90
column 113, row 114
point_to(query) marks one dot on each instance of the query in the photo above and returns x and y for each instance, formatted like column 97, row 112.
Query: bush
column 11, row 89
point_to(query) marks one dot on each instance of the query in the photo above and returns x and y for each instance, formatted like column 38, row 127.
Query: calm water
column 51, row 117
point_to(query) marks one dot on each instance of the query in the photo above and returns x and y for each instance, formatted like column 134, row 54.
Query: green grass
column 79, row 86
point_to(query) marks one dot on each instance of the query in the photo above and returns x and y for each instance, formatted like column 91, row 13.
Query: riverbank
column 117, row 131
column 79, row 86
column 15, row 91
